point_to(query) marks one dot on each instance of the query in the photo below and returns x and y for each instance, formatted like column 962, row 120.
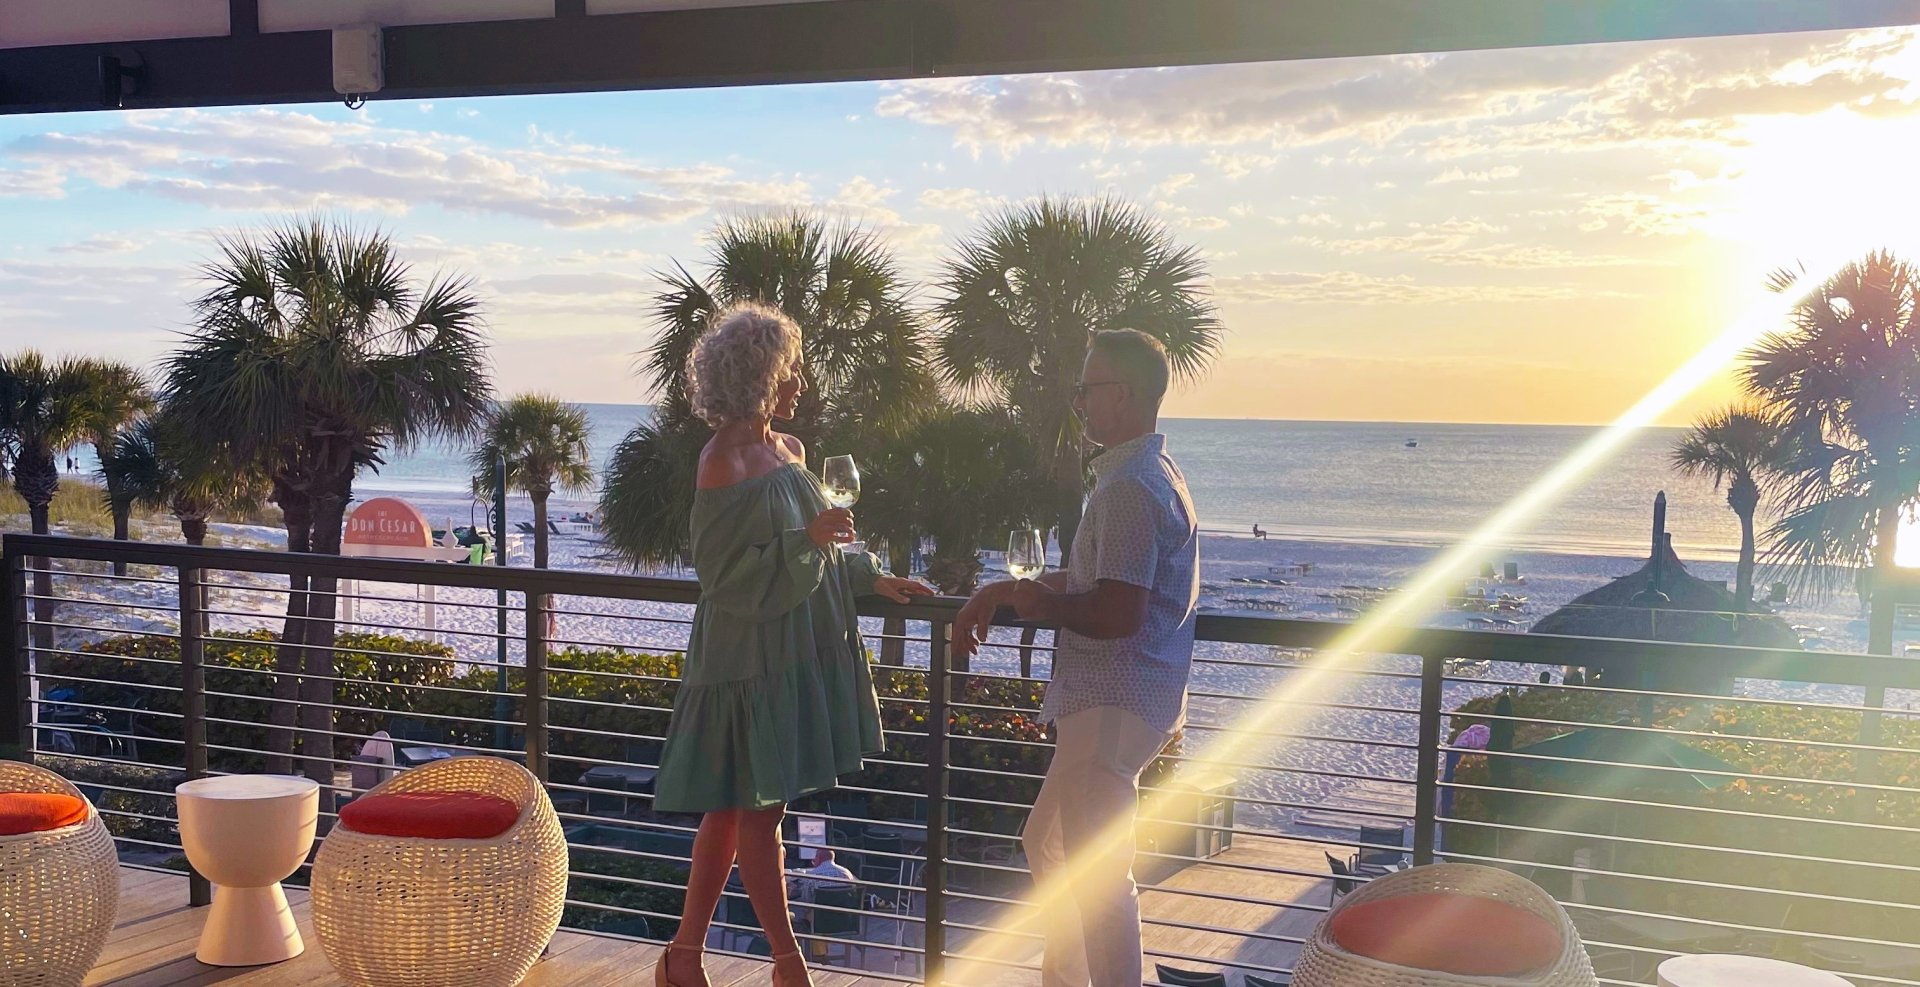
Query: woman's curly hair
column 740, row 362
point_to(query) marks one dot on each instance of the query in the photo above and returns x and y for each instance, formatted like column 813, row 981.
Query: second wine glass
column 1026, row 554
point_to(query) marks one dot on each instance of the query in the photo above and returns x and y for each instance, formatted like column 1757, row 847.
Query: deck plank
column 155, row 935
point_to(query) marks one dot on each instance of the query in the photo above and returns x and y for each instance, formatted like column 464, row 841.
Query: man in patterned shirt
column 1125, row 608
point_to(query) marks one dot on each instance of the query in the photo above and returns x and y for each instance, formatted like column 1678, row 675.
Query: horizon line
column 1307, row 421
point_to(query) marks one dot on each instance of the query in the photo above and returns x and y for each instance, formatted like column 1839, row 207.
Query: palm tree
column 314, row 350
column 43, row 413
column 1738, row 447
column 1844, row 379
column 543, row 442
column 118, row 396
column 964, row 477
column 865, row 362
column 154, row 464
column 1022, row 296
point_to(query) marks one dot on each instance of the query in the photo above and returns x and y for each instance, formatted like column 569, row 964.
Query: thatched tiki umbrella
column 1662, row 602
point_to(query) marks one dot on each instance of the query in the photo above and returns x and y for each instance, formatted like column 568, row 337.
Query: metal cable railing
column 1782, row 817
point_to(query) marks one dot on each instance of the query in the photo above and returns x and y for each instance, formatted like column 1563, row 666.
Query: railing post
column 193, row 697
column 539, row 606
column 16, row 712
column 939, row 689
column 1426, row 776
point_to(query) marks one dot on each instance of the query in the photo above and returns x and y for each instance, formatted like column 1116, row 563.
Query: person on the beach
column 776, row 700
column 1125, row 607
column 1257, row 533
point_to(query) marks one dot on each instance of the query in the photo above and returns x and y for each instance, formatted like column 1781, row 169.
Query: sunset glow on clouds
column 1532, row 235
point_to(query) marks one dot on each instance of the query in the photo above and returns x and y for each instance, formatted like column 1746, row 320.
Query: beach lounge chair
column 1176, row 977
column 1378, row 836
column 554, row 528
column 524, row 527
column 1344, row 878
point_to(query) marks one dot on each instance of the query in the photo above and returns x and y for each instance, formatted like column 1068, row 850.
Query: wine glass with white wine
column 1026, row 554
column 840, row 483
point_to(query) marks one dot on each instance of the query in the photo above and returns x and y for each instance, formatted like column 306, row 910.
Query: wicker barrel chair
column 1559, row 961
column 59, row 881
column 433, row 911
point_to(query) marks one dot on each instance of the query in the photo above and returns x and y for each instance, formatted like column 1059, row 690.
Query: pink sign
column 387, row 521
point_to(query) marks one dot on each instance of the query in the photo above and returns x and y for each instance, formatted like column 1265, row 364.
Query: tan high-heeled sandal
column 805, row 971
column 660, row 978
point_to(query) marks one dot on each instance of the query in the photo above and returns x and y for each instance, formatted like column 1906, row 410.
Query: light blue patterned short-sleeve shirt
column 1139, row 528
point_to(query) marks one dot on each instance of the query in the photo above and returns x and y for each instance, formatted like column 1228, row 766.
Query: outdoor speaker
column 357, row 66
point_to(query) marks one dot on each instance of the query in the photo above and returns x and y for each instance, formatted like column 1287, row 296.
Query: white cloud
column 1172, row 185
column 1642, row 215
column 100, row 243
column 966, row 201
column 1451, row 234
column 1456, row 174
column 32, row 183
column 290, row 161
column 1531, row 257
column 1186, row 218
column 861, row 192
column 1236, row 166
column 1465, row 101
column 1356, row 288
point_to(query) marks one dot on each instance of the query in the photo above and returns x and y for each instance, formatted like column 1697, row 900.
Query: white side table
column 246, row 834
column 1741, row 971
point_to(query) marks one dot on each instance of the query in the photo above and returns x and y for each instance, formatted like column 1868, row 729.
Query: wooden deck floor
column 154, row 938
column 1238, row 920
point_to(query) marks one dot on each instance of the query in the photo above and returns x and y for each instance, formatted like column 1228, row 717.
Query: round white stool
column 246, row 834
column 1741, row 971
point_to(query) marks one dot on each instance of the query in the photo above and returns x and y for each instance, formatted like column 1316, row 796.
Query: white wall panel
column 30, row 23
column 321, row 15
column 642, row 6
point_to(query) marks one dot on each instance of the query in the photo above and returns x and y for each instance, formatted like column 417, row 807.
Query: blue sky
column 1533, row 235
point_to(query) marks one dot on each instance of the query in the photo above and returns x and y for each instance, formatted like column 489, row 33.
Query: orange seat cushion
column 431, row 815
column 38, row 812
column 1449, row 933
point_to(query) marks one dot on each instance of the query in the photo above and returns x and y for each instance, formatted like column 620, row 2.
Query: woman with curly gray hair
column 776, row 700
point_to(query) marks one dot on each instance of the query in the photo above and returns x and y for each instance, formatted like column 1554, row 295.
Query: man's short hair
column 1138, row 359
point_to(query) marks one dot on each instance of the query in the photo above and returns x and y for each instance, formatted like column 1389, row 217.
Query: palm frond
column 1843, row 380
column 646, row 496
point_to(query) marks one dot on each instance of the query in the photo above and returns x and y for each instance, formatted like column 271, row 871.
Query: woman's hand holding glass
column 831, row 527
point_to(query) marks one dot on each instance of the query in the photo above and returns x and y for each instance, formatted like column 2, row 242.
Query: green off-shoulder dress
column 776, row 700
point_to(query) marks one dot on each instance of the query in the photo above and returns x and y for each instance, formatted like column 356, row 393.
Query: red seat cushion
column 37, row 812
column 1449, row 933
column 431, row 815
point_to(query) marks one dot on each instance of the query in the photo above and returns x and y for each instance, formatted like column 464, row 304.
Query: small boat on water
column 1413, row 443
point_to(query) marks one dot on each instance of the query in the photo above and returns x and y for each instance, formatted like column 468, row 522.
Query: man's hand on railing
column 972, row 624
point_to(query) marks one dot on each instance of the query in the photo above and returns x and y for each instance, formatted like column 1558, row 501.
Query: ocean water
column 1331, row 481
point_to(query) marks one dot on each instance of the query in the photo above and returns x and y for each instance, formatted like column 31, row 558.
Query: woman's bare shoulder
column 725, row 465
